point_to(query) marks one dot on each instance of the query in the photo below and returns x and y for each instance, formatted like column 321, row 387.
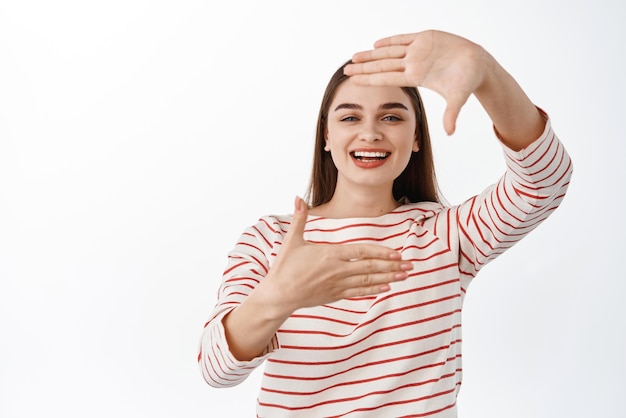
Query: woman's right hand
column 306, row 274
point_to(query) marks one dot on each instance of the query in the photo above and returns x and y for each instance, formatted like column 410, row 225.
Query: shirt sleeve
column 247, row 265
column 533, row 186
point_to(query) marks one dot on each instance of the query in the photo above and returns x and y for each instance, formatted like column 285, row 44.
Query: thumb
column 449, row 120
column 454, row 103
column 295, row 235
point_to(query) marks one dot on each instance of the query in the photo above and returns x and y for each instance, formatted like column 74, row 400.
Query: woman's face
column 370, row 134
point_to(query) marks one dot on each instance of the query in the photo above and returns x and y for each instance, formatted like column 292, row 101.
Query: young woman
column 354, row 303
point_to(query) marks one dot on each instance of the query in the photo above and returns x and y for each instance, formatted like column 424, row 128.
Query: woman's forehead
column 349, row 92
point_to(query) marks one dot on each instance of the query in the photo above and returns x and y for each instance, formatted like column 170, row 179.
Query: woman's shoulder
column 425, row 207
column 420, row 210
column 273, row 223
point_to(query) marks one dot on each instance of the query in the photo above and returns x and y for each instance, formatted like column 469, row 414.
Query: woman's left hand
column 455, row 68
column 448, row 64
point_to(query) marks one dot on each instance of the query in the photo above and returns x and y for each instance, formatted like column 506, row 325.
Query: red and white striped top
column 399, row 353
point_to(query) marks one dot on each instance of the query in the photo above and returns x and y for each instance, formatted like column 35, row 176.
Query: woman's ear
column 326, row 145
column 416, row 145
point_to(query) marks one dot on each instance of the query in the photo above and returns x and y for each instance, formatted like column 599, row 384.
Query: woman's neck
column 356, row 205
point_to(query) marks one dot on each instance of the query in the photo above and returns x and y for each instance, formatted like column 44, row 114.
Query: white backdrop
column 139, row 138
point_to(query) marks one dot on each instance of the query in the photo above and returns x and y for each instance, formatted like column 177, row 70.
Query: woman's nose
column 370, row 132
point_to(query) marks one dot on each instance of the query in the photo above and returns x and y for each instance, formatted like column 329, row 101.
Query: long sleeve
column 532, row 187
column 247, row 265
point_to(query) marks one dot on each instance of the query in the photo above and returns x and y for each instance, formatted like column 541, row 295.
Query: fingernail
column 406, row 266
column 401, row 276
column 395, row 256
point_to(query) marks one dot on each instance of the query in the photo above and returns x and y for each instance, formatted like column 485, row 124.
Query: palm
column 447, row 64
column 306, row 274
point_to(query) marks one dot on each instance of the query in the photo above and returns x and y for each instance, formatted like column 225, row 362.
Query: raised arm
column 539, row 168
column 455, row 68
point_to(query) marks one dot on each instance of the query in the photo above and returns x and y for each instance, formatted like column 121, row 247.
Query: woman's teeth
column 370, row 155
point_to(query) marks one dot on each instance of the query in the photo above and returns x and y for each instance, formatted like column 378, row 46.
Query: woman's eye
column 349, row 119
column 391, row 118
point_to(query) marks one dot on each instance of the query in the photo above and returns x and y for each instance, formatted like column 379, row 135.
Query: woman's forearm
column 251, row 326
column 515, row 117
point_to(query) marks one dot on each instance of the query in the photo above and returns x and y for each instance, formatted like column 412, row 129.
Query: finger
column 295, row 235
column 373, row 283
column 365, row 291
column 395, row 78
column 454, row 103
column 395, row 51
column 378, row 66
column 373, row 280
column 371, row 266
column 352, row 252
column 449, row 120
column 403, row 39
column 373, row 289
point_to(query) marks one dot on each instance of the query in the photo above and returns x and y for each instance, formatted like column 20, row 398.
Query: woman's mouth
column 369, row 156
column 369, row 159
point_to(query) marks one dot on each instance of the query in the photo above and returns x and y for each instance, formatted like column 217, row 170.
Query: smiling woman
column 370, row 134
column 354, row 303
column 417, row 181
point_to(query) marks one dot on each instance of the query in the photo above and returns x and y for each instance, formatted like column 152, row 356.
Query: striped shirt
column 398, row 353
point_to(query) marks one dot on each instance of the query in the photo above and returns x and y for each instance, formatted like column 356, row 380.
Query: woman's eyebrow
column 384, row 106
column 351, row 106
column 393, row 105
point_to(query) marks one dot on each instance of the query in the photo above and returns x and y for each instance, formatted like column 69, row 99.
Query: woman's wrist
column 515, row 117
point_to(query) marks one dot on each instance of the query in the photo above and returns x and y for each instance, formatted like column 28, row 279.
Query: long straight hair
column 417, row 182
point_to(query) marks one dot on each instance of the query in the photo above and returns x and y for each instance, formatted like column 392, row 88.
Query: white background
column 139, row 138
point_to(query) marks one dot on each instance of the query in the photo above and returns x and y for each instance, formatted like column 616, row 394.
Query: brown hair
column 417, row 182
